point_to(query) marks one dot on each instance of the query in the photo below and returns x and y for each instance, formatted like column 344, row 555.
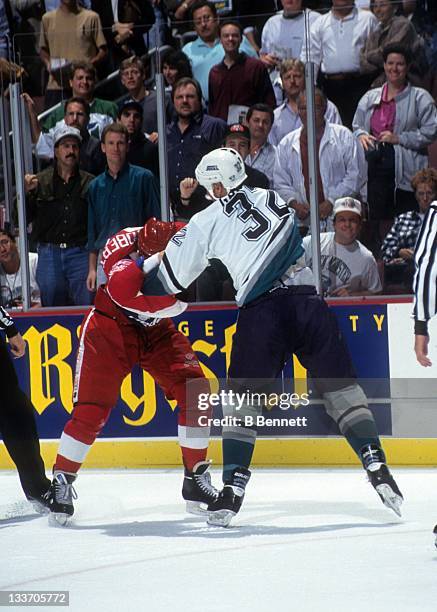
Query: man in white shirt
column 283, row 36
column 348, row 268
column 10, row 273
column 335, row 42
column 339, row 169
column 292, row 72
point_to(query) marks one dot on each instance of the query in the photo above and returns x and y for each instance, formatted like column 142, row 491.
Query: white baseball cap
column 65, row 131
column 347, row 205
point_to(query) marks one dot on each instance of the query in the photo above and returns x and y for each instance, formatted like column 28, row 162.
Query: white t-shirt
column 352, row 266
column 285, row 37
column 11, row 287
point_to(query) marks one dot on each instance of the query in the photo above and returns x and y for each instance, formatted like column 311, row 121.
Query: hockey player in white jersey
column 255, row 235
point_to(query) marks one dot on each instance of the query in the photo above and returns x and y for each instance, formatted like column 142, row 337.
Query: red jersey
column 126, row 279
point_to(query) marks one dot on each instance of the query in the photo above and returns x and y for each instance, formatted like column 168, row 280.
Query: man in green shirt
column 82, row 83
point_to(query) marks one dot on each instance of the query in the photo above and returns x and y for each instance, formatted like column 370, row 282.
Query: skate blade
column 220, row 518
column 390, row 498
column 59, row 519
column 196, row 508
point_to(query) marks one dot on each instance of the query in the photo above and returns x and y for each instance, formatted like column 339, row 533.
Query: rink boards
column 142, row 428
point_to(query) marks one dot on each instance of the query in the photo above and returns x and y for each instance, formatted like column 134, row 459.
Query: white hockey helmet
column 223, row 166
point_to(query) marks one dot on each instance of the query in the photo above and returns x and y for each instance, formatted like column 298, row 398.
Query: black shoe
column 228, row 503
column 380, row 478
column 197, row 489
column 41, row 503
column 62, row 494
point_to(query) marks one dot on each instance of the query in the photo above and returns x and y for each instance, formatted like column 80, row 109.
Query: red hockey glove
column 154, row 236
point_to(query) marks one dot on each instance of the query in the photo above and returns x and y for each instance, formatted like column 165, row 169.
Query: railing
column 23, row 141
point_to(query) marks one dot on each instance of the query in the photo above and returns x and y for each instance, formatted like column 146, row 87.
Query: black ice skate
column 62, row 494
column 228, row 503
column 435, row 533
column 197, row 489
column 380, row 477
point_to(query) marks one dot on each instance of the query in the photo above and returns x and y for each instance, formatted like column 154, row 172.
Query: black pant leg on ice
column 18, row 429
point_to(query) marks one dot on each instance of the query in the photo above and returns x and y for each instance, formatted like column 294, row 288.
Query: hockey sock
column 191, row 456
column 359, row 428
column 71, row 454
column 235, row 454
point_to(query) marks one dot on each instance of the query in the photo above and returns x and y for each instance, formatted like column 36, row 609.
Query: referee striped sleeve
column 425, row 278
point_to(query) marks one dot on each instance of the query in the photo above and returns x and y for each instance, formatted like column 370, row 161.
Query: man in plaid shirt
column 398, row 247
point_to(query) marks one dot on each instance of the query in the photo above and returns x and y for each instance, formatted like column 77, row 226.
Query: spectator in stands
column 133, row 73
column 57, row 207
column 10, row 273
column 335, row 42
column 392, row 28
column 4, row 32
column 191, row 134
column 395, row 124
column 339, row 172
column 83, row 83
column 292, row 73
column 194, row 198
column 283, row 37
column 141, row 152
column 125, row 22
column 69, row 33
column 284, row 33
column 122, row 196
column 207, row 51
column 77, row 113
column 262, row 154
column 253, row 16
column 398, row 246
column 25, row 35
column 238, row 81
column 160, row 33
column 215, row 283
column 175, row 66
column 420, row 13
column 180, row 11
column 238, row 138
column 348, row 268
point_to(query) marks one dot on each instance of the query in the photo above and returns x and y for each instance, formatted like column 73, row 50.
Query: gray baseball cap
column 66, row 131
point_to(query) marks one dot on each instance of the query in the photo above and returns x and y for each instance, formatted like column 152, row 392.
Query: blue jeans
column 61, row 275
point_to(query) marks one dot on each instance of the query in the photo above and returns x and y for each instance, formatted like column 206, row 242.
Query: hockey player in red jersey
column 125, row 328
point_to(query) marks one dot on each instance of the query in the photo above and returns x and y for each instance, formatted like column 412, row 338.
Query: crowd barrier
column 142, row 429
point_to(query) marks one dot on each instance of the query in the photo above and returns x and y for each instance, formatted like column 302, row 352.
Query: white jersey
column 252, row 232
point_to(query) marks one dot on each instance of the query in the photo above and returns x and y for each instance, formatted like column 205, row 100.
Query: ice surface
column 305, row 540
